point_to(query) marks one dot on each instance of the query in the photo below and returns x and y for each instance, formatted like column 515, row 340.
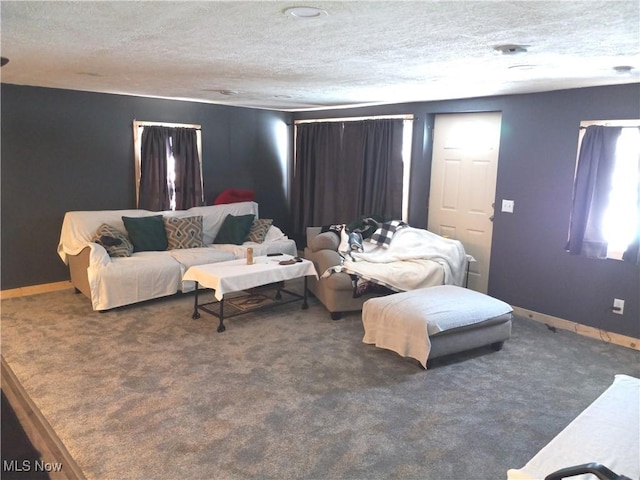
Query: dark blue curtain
column 344, row 170
column 317, row 179
column 188, row 183
column 154, row 152
column 591, row 191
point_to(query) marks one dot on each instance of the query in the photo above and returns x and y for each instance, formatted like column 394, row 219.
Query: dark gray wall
column 66, row 150
column 529, row 267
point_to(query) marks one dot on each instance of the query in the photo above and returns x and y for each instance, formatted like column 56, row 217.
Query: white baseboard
column 35, row 289
column 587, row 331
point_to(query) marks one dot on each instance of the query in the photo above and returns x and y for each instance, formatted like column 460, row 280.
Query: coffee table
column 236, row 275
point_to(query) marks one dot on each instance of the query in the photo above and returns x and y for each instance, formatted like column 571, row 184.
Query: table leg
column 221, row 327
column 196, row 314
column 305, row 305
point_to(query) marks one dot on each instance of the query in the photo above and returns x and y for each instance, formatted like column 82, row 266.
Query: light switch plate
column 507, row 206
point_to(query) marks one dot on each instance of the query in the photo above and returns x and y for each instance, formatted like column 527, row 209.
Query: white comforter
column 408, row 262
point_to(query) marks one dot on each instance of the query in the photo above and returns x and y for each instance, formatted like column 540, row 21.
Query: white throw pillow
column 274, row 234
column 343, row 248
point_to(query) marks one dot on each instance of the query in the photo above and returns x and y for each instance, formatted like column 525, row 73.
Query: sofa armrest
column 311, row 233
column 323, row 259
column 91, row 255
column 324, row 241
column 78, row 265
column 98, row 255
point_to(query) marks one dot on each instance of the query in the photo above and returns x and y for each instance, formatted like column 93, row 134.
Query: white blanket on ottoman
column 402, row 322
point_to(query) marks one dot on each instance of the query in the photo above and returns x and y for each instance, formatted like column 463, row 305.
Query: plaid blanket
column 384, row 234
column 415, row 259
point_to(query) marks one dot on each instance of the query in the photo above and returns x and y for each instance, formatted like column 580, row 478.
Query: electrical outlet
column 618, row 306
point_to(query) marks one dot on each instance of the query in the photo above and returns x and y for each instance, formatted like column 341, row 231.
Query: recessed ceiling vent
column 523, row 66
column 623, row 68
column 305, row 12
column 510, row 49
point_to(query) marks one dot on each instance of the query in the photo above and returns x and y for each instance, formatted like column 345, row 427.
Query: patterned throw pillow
column 184, row 232
column 259, row 230
column 113, row 240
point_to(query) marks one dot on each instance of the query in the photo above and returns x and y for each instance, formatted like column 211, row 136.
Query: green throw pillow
column 146, row 233
column 234, row 229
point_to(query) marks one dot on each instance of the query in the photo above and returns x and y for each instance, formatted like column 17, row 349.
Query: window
column 621, row 217
column 605, row 213
column 350, row 166
column 407, row 137
column 171, row 171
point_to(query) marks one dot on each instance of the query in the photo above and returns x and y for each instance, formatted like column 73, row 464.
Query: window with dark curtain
column 154, row 154
column 188, row 185
column 605, row 195
column 169, row 169
column 344, row 170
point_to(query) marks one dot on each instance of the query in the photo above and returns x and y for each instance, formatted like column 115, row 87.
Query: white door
column 463, row 185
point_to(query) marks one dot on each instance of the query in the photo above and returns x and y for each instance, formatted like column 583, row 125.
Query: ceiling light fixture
column 305, row 12
column 510, row 49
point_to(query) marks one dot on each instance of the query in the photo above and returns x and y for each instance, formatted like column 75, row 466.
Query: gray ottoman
column 435, row 321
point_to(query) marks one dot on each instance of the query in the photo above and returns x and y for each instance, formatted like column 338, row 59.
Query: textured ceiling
column 361, row 53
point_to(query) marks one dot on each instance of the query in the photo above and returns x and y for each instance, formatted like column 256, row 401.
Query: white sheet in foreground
column 606, row 432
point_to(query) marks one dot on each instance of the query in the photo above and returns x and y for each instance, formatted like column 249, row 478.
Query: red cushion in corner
column 232, row 195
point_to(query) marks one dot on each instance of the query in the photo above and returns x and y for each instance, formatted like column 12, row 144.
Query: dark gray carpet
column 146, row 392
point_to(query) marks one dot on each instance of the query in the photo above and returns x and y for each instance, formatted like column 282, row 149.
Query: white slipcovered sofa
column 111, row 281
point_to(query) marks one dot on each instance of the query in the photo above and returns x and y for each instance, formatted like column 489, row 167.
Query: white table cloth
column 236, row 275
